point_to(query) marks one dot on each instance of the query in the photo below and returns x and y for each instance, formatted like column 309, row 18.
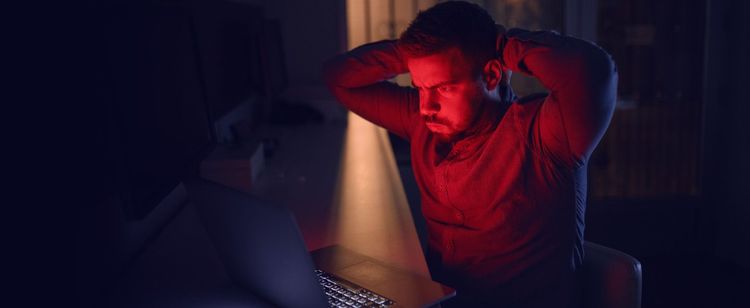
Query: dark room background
column 669, row 184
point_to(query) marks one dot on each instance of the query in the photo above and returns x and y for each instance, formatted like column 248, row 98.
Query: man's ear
column 492, row 74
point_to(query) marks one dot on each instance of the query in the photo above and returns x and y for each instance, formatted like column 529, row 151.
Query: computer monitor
column 159, row 112
column 229, row 39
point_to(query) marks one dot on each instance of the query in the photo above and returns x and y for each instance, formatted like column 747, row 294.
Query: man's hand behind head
column 500, row 36
column 499, row 44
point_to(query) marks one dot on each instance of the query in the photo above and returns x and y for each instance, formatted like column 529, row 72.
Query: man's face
column 450, row 92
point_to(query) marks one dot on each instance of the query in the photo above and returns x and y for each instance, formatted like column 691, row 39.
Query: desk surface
column 339, row 180
column 342, row 183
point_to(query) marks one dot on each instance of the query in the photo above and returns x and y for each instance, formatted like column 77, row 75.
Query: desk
column 342, row 184
column 339, row 180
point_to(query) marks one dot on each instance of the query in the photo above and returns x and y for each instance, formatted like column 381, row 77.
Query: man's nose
column 428, row 105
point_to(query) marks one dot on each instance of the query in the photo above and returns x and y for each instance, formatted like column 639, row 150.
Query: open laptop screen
column 259, row 244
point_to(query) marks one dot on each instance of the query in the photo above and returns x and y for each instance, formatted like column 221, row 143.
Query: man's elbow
column 333, row 77
column 341, row 71
column 330, row 72
column 601, row 66
column 608, row 69
column 609, row 78
column 601, row 75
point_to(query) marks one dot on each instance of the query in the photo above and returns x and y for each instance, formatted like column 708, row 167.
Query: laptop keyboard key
column 342, row 293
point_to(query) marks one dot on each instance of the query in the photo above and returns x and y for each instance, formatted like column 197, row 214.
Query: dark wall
column 153, row 71
column 312, row 32
column 727, row 129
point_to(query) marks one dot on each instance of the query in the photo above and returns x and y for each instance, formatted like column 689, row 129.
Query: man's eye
column 446, row 89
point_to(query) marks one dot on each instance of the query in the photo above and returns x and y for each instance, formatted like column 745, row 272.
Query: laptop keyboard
column 342, row 293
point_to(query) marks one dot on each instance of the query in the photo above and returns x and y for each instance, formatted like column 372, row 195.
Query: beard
column 439, row 127
column 448, row 131
column 445, row 138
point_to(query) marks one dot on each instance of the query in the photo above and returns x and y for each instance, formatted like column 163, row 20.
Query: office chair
column 609, row 278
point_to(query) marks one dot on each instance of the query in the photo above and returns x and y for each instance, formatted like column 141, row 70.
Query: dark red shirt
column 504, row 206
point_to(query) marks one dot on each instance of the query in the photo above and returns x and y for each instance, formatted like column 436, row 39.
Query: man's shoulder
column 524, row 109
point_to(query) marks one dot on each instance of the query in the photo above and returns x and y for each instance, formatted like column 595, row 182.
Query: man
column 502, row 180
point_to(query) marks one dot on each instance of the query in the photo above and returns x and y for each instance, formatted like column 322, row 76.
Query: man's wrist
column 400, row 56
column 500, row 43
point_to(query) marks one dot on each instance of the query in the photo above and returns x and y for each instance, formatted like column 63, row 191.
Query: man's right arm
column 359, row 80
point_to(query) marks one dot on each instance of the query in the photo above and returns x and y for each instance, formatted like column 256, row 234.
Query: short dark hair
column 464, row 25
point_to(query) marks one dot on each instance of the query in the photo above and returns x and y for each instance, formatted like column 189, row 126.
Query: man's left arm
column 582, row 80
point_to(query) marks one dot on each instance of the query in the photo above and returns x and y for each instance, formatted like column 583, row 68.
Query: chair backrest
column 610, row 278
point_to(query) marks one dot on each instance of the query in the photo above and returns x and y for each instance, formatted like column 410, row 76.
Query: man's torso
column 498, row 209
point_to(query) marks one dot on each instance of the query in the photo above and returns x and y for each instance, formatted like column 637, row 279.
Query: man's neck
column 486, row 120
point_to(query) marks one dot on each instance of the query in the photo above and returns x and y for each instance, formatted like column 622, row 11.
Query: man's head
column 450, row 53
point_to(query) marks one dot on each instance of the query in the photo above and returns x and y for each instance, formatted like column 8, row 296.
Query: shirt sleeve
column 359, row 80
column 582, row 80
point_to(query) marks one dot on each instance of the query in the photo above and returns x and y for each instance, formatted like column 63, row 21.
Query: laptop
column 262, row 250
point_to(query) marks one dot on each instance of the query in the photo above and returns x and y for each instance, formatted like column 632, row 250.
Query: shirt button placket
column 460, row 217
column 444, row 181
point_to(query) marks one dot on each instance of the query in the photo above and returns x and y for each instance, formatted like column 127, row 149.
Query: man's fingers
column 499, row 41
column 506, row 77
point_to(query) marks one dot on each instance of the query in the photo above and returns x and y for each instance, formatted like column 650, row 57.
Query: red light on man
column 502, row 179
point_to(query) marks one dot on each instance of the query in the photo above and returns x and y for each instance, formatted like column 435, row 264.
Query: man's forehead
column 431, row 70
